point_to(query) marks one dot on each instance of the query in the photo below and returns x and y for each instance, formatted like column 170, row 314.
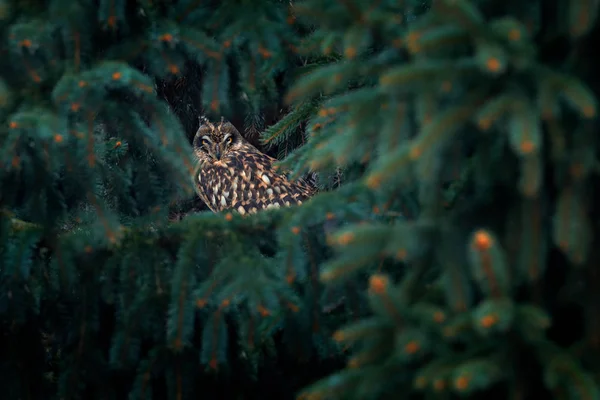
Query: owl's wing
column 203, row 177
column 261, row 186
column 299, row 181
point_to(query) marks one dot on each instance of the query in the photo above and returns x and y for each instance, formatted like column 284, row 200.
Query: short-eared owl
column 235, row 175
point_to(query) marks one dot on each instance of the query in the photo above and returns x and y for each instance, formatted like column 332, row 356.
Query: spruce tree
column 487, row 112
column 451, row 249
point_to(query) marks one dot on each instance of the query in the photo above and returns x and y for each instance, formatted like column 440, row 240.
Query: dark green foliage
column 452, row 249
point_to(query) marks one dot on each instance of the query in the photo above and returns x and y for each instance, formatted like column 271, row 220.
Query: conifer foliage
column 501, row 93
column 451, row 250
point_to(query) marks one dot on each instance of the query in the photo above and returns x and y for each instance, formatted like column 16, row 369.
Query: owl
column 234, row 175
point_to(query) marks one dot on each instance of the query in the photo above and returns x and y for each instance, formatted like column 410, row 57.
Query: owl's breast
column 222, row 183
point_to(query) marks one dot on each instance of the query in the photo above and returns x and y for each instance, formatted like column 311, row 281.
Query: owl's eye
column 229, row 140
column 205, row 143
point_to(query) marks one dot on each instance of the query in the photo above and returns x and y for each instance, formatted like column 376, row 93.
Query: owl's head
column 214, row 141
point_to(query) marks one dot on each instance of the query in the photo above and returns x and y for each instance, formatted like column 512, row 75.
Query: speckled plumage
column 235, row 175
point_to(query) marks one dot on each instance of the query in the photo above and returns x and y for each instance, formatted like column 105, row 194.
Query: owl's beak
column 216, row 152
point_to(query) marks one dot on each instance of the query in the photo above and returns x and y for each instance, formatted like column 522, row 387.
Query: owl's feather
column 242, row 178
